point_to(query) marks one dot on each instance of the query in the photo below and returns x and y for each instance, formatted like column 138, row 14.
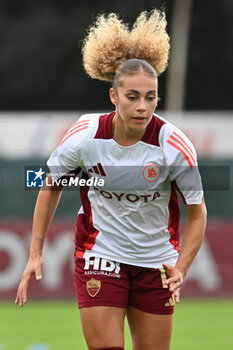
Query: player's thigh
column 103, row 326
column 149, row 331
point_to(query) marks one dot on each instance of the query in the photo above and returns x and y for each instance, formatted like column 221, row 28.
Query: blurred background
column 44, row 89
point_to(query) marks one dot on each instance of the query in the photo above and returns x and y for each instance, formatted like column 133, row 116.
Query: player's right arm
column 47, row 201
column 65, row 158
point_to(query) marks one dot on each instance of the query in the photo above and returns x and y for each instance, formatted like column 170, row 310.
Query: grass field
column 202, row 325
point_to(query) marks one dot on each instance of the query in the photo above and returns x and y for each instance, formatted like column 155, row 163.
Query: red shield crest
column 151, row 172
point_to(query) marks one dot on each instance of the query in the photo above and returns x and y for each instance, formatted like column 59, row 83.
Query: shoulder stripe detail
column 177, row 135
column 76, row 125
column 182, row 152
column 81, row 122
column 74, row 132
column 186, row 149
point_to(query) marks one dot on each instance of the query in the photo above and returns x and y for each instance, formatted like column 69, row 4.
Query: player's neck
column 124, row 135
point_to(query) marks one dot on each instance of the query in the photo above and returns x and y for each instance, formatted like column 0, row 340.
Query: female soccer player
column 127, row 257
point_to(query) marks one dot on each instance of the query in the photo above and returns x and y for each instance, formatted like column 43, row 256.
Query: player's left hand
column 174, row 280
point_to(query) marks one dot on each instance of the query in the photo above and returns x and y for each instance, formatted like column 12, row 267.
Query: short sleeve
column 63, row 160
column 67, row 157
column 181, row 158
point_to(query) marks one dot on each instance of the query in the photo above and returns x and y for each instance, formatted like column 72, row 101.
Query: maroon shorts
column 100, row 282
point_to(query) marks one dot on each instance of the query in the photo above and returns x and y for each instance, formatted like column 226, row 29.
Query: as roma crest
column 93, row 287
column 151, row 172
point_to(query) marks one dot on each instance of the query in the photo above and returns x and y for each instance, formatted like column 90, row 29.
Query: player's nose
column 141, row 105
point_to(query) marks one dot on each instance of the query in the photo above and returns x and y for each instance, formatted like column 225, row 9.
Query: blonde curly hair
column 109, row 43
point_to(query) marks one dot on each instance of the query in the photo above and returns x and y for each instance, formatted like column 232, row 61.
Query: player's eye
column 131, row 98
column 151, row 98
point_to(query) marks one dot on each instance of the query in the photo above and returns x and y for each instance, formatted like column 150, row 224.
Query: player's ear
column 113, row 96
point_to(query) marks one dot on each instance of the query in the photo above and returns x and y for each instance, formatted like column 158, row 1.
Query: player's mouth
column 139, row 119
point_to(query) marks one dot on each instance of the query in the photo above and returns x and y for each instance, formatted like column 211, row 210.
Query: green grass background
column 199, row 324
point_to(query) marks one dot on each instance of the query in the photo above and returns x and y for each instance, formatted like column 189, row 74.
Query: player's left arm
column 192, row 239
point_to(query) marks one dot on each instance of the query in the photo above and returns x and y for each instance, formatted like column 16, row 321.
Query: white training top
column 134, row 217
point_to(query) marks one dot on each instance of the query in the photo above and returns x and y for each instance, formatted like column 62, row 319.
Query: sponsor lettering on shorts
column 99, row 266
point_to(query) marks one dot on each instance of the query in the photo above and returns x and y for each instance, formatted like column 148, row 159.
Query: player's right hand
column 32, row 268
